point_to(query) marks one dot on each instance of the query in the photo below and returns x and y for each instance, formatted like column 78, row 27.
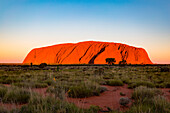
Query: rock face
column 88, row 52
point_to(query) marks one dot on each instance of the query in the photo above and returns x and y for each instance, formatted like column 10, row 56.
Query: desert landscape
column 84, row 56
column 84, row 88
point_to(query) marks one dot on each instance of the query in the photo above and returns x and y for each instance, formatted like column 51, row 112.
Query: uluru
column 87, row 52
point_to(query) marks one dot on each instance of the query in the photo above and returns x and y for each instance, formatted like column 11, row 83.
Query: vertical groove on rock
column 69, row 54
column 85, row 53
column 57, row 57
column 136, row 56
column 94, row 57
column 35, row 54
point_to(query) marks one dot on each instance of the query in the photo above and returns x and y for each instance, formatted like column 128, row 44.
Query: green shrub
column 50, row 89
column 143, row 93
column 140, row 108
column 31, row 85
column 148, row 100
column 124, row 101
column 58, row 90
column 161, row 104
column 84, row 90
column 37, row 104
column 3, row 77
column 3, row 91
column 93, row 109
column 16, row 95
column 3, row 110
column 102, row 89
column 10, row 80
column 165, row 69
column 114, row 83
column 106, row 77
column 80, row 92
column 141, row 83
column 161, row 85
column 40, row 85
column 167, row 84
column 22, row 84
column 49, row 82
column 126, row 81
column 99, row 71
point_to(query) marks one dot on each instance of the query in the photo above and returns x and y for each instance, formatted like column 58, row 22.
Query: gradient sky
column 27, row 24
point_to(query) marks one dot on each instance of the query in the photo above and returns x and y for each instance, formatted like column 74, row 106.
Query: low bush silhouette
column 110, row 61
column 42, row 65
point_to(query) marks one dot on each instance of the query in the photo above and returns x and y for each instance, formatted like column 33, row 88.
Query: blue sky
column 26, row 24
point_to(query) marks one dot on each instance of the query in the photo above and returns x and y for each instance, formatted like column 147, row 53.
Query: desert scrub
column 140, row 108
column 3, row 91
column 124, row 101
column 148, row 100
column 22, row 84
column 58, row 91
column 143, row 93
column 10, row 80
column 141, row 83
column 107, row 77
column 3, row 110
column 38, row 104
column 57, row 88
column 39, row 85
column 114, row 83
column 16, row 95
column 163, row 85
column 167, row 84
column 102, row 89
column 125, row 79
column 31, row 85
column 161, row 104
column 49, row 82
column 80, row 92
column 84, row 90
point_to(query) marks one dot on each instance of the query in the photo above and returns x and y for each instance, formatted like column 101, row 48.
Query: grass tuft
column 114, row 83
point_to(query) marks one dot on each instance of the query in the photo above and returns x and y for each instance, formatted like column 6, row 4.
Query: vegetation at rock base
column 17, row 85
column 114, row 83
column 110, row 61
column 122, row 63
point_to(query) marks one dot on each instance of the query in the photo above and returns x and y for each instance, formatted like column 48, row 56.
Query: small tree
column 42, row 65
column 110, row 61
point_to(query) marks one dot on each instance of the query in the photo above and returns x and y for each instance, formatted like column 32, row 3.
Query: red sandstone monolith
column 88, row 52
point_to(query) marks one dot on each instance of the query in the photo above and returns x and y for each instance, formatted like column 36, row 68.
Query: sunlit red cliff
column 88, row 52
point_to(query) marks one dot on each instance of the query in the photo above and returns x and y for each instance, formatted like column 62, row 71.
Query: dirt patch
column 108, row 99
column 166, row 93
column 41, row 91
column 11, row 106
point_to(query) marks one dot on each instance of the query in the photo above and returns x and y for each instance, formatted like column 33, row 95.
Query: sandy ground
column 166, row 93
column 108, row 99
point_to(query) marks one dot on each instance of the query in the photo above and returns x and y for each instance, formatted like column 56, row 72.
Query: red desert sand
column 109, row 98
column 106, row 99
